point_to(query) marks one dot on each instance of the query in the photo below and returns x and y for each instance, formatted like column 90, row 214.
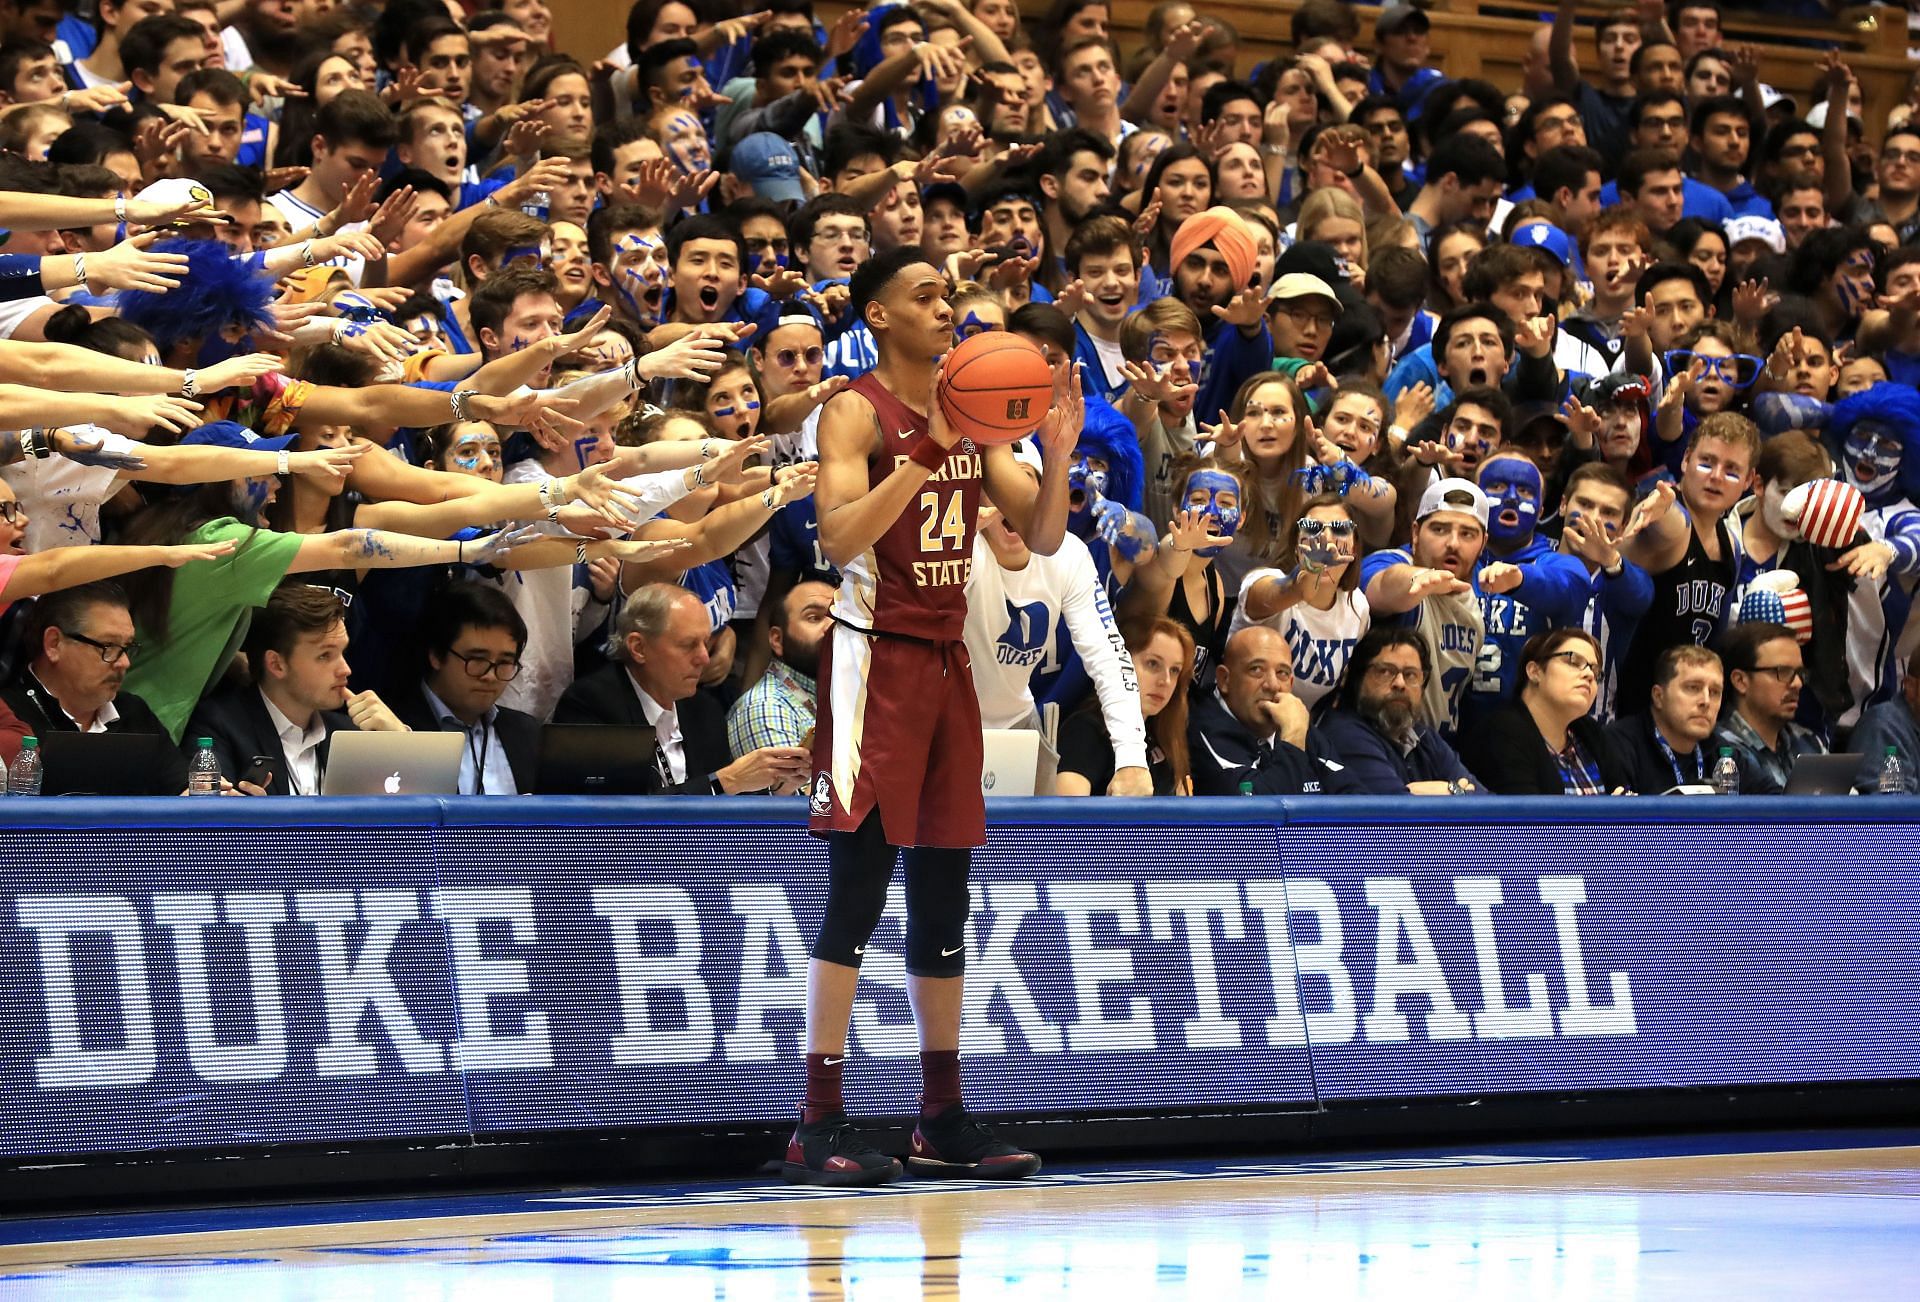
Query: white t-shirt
column 1322, row 641
column 544, row 599
column 1111, row 359
column 1013, row 617
column 234, row 46
column 63, row 497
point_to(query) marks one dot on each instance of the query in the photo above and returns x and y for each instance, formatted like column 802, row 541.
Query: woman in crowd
column 1162, row 653
column 1545, row 742
column 1317, row 606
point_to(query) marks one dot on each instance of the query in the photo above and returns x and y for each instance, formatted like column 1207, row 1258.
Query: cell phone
column 260, row 771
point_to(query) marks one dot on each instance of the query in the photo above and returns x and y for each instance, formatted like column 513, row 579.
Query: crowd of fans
column 384, row 367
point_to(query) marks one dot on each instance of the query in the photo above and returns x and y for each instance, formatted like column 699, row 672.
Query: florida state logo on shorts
column 822, row 795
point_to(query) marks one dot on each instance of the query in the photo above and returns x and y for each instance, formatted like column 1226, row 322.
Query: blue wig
column 1109, row 435
column 1891, row 405
column 218, row 290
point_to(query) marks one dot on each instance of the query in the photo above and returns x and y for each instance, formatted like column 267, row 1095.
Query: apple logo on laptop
column 393, row 783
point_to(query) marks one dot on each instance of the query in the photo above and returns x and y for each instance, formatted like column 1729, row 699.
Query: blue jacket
column 1698, row 199
column 1377, row 767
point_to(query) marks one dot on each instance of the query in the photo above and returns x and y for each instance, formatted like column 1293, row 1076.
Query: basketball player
column 897, row 744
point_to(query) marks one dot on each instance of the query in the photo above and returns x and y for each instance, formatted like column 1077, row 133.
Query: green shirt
column 212, row 605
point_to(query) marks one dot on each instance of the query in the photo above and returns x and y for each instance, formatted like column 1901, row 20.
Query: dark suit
column 610, row 697
column 236, row 718
column 517, row 732
column 39, row 713
column 1224, row 753
column 1510, row 756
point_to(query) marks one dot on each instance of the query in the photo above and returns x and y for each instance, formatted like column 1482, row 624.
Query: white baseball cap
column 1454, row 495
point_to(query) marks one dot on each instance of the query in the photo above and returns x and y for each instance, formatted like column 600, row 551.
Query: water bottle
column 1893, row 775
column 23, row 775
column 1246, row 787
column 203, row 775
column 1726, row 774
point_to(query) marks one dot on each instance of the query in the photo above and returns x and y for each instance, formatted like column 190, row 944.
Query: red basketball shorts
column 898, row 727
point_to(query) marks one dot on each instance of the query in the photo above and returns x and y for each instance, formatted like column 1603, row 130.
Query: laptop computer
column 1017, row 762
column 578, row 759
column 393, row 764
column 1824, row 775
column 110, row 764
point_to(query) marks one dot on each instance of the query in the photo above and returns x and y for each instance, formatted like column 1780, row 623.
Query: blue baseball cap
column 766, row 162
column 230, row 434
column 1545, row 235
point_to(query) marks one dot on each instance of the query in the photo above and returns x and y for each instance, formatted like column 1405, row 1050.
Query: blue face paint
column 253, row 497
column 632, row 281
column 355, row 307
column 1212, row 484
column 971, row 325
column 1513, row 490
column 1872, row 457
column 722, row 412
column 538, row 252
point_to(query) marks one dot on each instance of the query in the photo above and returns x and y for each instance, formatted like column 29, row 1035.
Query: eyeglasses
column 1785, row 675
column 1576, row 662
column 1301, row 315
column 1739, row 370
column 11, row 511
column 110, row 652
column 1900, row 156
column 479, row 664
column 1383, row 673
column 786, row 358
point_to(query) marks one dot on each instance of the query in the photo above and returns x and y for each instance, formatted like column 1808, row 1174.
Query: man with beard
column 1436, row 588
column 82, row 644
column 1665, row 747
column 1764, row 677
column 778, row 710
column 1072, row 175
column 1379, row 733
column 1214, row 263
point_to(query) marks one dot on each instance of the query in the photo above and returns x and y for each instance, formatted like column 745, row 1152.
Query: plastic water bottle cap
column 1726, row 752
column 206, row 743
column 30, row 743
column 1892, row 751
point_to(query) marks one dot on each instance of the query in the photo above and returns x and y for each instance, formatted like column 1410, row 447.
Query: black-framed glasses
column 11, row 510
column 1785, row 675
column 110, row 652
column 1576, row 662
column 1386, row 673
column 479, row 664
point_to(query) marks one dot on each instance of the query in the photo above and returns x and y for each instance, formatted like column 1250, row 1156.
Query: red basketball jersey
column 913, row 581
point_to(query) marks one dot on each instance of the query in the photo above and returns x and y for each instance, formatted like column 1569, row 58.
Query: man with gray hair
column 658, row 648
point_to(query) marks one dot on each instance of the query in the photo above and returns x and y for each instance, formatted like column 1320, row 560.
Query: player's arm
column 853, row 517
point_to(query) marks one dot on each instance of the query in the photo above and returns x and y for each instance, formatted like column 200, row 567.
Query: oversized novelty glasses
column 1337, row 529
column 1739, row 370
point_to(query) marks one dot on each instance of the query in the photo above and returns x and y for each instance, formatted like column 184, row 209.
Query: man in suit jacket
column 660, row 646
column 474, row 640
column 297, row 649
column 81, row 644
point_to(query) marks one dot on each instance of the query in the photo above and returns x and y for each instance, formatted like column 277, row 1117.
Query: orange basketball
column 997, row 387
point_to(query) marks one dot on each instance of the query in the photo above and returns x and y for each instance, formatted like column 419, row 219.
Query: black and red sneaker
column 954, row 1145
column 829, row 1152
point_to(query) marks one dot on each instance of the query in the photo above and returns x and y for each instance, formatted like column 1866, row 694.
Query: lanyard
column 480, row 759
column 1699, row 761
